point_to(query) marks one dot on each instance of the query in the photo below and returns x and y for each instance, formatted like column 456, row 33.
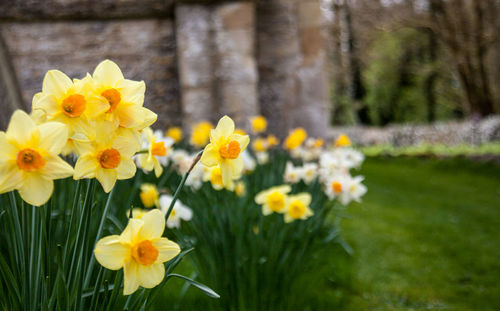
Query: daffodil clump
column 257, row 207
column 59, row 232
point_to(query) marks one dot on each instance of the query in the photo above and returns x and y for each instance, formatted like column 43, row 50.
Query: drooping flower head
column 225, row 150
column 158, row 147
column 149, row 195
column 29, row 160
column 273, row 199
column 140, row 250
column 259, row 124
column 295, row 138
column 200, row 134
column 106, row 154
column 125, row 97
column 298, row 207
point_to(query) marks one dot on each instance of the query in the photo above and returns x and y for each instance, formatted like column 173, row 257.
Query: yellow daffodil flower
column 240, row 188
column 225, row 150
column 140, row 250
column 295, row 138
column 157, row 150
column 125, row 97
column 260, row 144
column 137, row 213
column 240, row 131
column 200, row 134
column 343, row 141
column 272, row 141
column 149, row 195
column 273, row 199
column 214, row 176
column 175, row 133
column 29, row 160
column 106, row 154
column 259, row 124
column 298, row 207
column 68, row 102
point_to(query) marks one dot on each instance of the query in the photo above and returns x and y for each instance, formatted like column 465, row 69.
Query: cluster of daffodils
column 278, row 200
column 226, row 159
column 98, row 119
column 151, row 199
column 332, row 167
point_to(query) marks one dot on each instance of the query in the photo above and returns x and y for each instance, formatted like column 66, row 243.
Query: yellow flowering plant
column 225, row 150
column 255, row 244
column 53, row 253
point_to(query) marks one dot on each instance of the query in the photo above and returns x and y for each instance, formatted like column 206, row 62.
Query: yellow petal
column 108, row 73
column 288, row 218
column 158, row 168
column 126, row 169
column 131, row 232
column 132, row 91
column 56, row 83
column 125, row 143
column 53, row 136
column 20, row 127
column 266, row 210
column 46, row 103
column 7, row 150
column 56, row 168
column 210, row 156
column 130, row 277
column 226, row 171
column 242, row 140
column 150, row 276
column 129, row 115
column 148, row 117
column 96, row 105
column 36, row 190
column 154, row 225
column 10, row 177
column 237, row 166
column 110, row 253
column 107, row 178
column 86, row 167
column 225, row 127
column 305, row 198
column 167, row 249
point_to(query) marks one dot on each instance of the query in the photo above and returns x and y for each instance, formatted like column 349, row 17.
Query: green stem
column 98, row 236
column 183, row 181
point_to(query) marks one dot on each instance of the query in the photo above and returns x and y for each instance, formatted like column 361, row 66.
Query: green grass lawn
column 427, row 236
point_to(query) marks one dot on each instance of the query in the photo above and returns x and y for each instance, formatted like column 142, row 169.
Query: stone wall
column 449, row 133
column 199, row 59
column 218, row 74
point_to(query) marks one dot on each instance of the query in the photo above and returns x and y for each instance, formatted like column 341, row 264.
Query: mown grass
column 426, row 237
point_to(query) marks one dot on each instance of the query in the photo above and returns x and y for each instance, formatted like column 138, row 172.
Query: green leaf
column 205, row 289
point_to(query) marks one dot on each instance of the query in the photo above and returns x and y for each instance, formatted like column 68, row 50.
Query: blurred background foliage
column 413, row 60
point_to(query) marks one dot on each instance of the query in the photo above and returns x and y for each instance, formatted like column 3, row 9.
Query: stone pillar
column 236, row 71
column 293, row 84
column 196, row 79
column 312, row 110
column 216, row 60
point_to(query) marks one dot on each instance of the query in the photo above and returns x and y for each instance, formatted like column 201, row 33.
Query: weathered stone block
column 144, row 50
